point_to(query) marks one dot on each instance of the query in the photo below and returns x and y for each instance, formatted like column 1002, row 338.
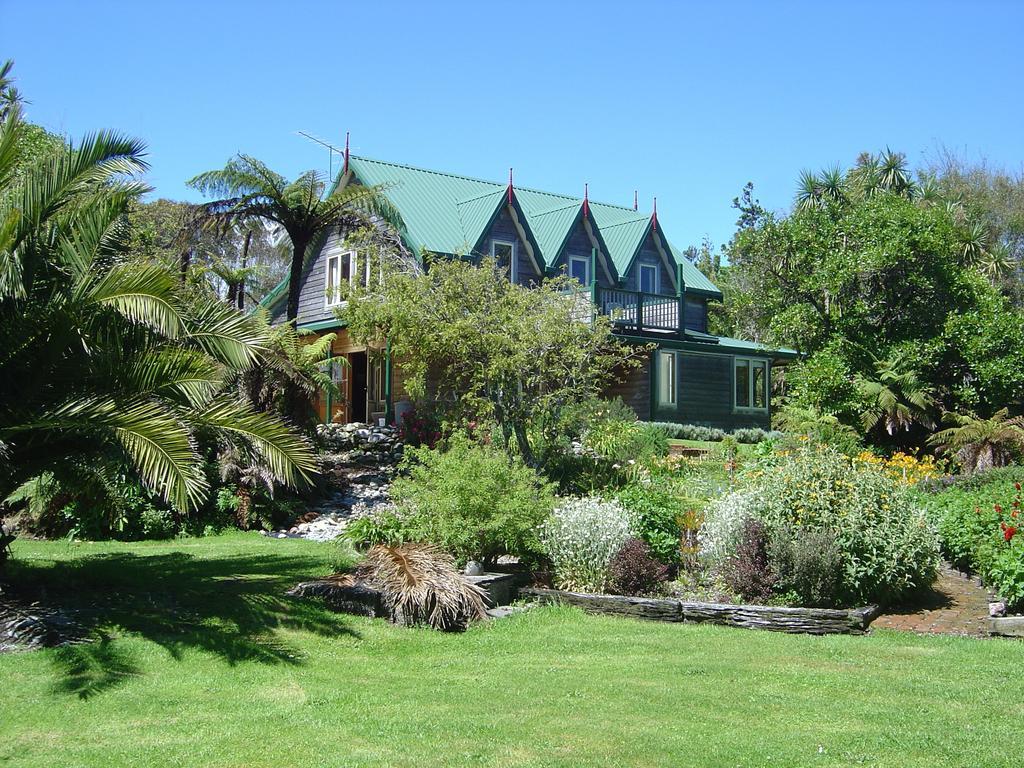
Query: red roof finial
column 586, row 200
column 345, row 169
column 636, row 199
column 510, row 186
column 654, row 216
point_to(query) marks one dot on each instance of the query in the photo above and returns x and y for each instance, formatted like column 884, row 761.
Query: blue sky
column 683, row 101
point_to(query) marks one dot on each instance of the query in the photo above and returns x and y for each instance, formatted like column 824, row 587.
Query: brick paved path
column 958, row 606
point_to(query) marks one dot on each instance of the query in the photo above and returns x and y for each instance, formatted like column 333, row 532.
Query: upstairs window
column 345, row 268
column 751, row 382
column 648, row 278
column 579, row 268
column 667, row 378
column 504, row 253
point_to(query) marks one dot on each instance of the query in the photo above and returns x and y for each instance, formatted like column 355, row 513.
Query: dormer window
column 648, row 278
column 345, row 268
column 504, row 252
column 579, row 268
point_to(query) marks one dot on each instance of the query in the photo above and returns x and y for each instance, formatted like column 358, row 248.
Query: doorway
column 357, row 395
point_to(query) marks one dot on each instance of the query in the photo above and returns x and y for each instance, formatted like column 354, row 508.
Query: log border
column 811, row 621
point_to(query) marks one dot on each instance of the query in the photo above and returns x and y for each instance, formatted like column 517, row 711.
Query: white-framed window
column 504, row 252
column 750, row 379
column 648, row 278
column 343, row 268
column 667, row 379
column 579, row 268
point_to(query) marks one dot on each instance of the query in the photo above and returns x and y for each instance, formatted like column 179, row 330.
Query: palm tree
column 896, row 398
column 893, row 173
column 249, row 191
column 808, row 193
column 293, row 373
column 981, row 443
column 106, row 360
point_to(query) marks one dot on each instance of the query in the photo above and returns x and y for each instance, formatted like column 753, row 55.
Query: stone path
column 957, row 606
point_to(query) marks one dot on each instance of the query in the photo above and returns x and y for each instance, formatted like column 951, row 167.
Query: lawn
column 206, row 663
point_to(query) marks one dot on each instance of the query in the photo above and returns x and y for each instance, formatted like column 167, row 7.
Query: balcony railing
column 638, row 311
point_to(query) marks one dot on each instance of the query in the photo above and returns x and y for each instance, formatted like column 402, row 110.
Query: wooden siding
column 704, row 387
column 695, row 315
column 634, row 387
column 504, row 229
column 313, row 291
column 578, row 244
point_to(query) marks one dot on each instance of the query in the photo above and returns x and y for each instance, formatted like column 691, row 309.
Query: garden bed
column 813, row 621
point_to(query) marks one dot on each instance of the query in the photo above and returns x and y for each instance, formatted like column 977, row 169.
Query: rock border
column 811, row 621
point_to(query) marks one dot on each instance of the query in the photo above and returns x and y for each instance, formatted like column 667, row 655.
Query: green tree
column 249, row 191
column 869, row 266
column 105, row 359
column 895, row 398
column 499, row 350
column 981, row 443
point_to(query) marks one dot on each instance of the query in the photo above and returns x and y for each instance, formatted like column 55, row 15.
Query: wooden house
column 633, row 272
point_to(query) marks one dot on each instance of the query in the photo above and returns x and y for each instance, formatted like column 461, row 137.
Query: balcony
column 638, row 312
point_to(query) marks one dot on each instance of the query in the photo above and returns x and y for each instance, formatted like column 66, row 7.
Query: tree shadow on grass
column 230, row 606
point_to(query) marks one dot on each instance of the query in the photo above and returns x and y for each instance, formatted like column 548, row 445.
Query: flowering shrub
column 634, row 571
column 419, row 429
column 748, row 572
column 902, row 467
column 721, row 531
column 888, row 547
column 581, row 538
column 982, row 528
column 883, row 540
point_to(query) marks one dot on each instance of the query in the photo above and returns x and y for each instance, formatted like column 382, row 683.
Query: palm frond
column 142, row 293
column 154, row 439
column 285, row 453
column 236, row 339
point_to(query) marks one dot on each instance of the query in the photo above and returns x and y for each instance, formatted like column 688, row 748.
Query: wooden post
column 680, row 291
column 639, row 311
column 387, row 382
column 330, row 372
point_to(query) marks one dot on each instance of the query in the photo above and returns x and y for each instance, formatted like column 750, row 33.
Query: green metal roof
column 447, row 213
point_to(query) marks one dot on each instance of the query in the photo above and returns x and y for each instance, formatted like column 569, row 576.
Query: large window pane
column 648, row 278
column 580, row 269
column 760, row 385
column 666, row 378
column 742, row 383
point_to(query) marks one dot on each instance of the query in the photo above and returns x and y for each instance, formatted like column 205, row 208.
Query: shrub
column 634, row 570
column 473, row 500
column 808, row 565
column 902, row 467
column 980, row 524
column 385, row 524
column 721, row 531
column 419, row 428
column 656, row 512
column 748, row 435
column 887, row 545
column 420, row 584
column 581, row 537
column 748, row 572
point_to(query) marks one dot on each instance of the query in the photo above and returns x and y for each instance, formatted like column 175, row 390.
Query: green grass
column 743, row 450
column 205, row 663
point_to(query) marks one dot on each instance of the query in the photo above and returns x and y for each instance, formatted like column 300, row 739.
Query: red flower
column 1009, row 532
column 999, row 509
column 1017, row 486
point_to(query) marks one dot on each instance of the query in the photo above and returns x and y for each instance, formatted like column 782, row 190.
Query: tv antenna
column 331, row 149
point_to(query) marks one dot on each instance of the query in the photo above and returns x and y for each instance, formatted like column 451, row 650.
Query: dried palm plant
column 420, row 584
